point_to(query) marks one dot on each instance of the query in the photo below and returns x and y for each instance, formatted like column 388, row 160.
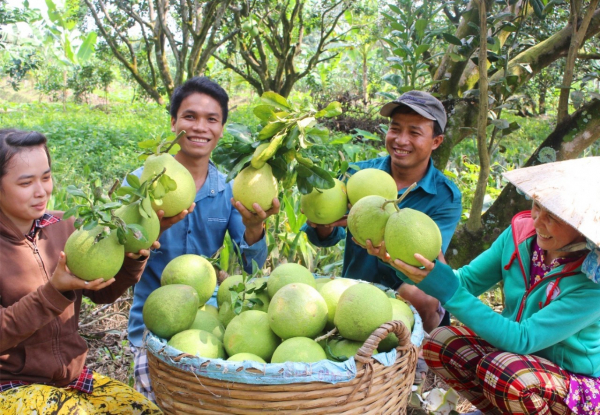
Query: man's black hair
column 403, row 109
column 201, row 85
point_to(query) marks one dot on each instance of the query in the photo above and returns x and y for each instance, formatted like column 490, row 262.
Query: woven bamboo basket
column 376, row 389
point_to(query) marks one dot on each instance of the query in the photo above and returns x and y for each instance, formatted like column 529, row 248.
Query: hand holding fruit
column 253, row 221
column 143, row 252
column 63, row 280
column 166, row 223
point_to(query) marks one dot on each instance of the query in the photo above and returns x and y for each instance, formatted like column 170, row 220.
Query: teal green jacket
column 557, row 318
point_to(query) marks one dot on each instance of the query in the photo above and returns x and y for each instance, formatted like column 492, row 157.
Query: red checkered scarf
column 84, row 383
column 40, row 223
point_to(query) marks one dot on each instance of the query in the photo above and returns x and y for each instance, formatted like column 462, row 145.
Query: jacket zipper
column 36, row 252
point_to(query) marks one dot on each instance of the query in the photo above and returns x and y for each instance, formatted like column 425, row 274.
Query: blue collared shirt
column 435, row 195
column 202, row 233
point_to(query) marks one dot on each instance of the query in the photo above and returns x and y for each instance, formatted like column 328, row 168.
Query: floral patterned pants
column 494, row 381
column 109, row 397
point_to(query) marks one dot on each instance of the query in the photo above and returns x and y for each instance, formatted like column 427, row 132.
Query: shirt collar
column 39, row 224
column 215, row 182
column 427, row 182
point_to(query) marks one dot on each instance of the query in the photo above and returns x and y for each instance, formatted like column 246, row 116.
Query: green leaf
column 303, row 185
column 420, row 26
column 279, row 167
column 321, row 179
column 538, row 8
column 73, row 191
column 70, row 212
column 421, row 49
column 501, row 124
column 270, row 130
column 86, row 49
column 168, row 183
column 264, row 112
column 291, row 138
column 151, row 143
column 124, row 191
column 276, row 100
column 239, row 166
column 133, row 181
column 147, row 206
column 452, row 39
column 317, row 135
column 303, row 171
column 332, row 110
column 340, row 140
column 395, row 9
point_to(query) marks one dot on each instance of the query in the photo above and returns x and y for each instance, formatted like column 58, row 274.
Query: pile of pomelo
column 294, row 310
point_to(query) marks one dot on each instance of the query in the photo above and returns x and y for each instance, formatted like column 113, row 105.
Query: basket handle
column 365, row 353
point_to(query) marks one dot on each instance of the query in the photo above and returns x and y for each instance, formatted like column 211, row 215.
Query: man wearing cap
column 417, row 122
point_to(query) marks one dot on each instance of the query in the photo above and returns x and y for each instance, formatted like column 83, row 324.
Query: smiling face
column 410, row 141
column 26, row 187
column 552, row 233
column 201, row 117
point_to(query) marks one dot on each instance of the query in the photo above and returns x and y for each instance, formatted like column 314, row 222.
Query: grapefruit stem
column 397, row 201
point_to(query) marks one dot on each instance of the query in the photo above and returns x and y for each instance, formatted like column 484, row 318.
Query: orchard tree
column 276, row 43
column 162, row 43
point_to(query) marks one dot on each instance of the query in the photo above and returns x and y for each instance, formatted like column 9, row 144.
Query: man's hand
column 253, row 221
column 166, row 223
column 63, row 280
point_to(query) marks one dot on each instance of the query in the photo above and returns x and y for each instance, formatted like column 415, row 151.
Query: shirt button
column 189, row 231
column 212, row 192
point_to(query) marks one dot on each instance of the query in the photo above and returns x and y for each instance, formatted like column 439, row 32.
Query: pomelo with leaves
column 256, row 186
column 323, row 206
column 176, row 189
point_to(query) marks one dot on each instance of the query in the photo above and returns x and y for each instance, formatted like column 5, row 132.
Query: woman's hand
column 63, row 280
column 143, row 252
column 253, row 221
column 415, row 274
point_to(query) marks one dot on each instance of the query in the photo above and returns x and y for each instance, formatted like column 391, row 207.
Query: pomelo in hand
column 368, row 217
column 331, row 293
column 286, row 274
column 175, row 201
column 208, row 322
column 299, row 349
column 255, row 186
column 194, row 271
column 170, row 309
column 371, row 181
column 130, row 214
column 250, row 332
column 409, row 232
column 198, row 343
column 242, row 357
column 297, row 310
column 323, row 206
column 361, row 309
column 89, row 259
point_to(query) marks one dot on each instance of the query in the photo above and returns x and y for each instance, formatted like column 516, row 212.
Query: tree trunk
column 542, row 101
column 568, row 140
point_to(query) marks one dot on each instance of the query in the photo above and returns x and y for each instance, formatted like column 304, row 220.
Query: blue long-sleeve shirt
column 434, row 195
column 202, row 233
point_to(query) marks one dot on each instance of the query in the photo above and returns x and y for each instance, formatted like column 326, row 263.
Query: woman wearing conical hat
column 541, row 355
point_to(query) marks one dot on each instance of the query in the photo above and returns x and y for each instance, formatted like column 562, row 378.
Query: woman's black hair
column 14, row 141
column 200, row 85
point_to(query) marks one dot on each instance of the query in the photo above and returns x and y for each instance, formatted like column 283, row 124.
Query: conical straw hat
column 568, row 189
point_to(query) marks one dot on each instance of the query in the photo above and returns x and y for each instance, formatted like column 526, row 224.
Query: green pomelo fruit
column 198, row 343
column 170, row 309
column 175, row 201
column 192, row 270
column 340, row 350
column 226, row 313
column 286, row 274
column 297, row 310
column 130, row 214
column 299, row 349
column 320, row 282
column 242, row 357
column 331, row 293
column 256, row 162
column 250, row 333
column 207, row 322
column 361, row 309
column 210, row 309
column 409, row 232
column 91, row 260
column 368, row 182
column 223, row 293
column 255, row 186
column 368, row 217
column 323, row 206
column 400, row 311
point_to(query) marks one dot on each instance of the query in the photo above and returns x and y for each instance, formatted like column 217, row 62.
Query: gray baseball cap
column 423, row 103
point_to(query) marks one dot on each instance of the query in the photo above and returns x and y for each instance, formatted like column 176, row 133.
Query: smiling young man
column 200, row 108
column 417, row 122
